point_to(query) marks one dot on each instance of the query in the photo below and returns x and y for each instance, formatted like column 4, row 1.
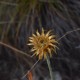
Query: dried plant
column 43, row 44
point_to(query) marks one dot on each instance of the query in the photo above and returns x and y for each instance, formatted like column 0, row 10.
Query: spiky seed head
column 43, row 44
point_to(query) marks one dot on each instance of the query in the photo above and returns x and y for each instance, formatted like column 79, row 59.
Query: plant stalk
column 50, row 68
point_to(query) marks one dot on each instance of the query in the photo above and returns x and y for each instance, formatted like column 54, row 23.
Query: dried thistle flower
column 43, row 44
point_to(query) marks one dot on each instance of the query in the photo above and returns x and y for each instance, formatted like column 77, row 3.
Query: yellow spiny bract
column 43, row 44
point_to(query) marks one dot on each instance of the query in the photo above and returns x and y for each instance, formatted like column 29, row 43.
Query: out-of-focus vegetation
column 20, row 18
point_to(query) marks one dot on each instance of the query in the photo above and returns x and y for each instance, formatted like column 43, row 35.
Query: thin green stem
column 50, row 68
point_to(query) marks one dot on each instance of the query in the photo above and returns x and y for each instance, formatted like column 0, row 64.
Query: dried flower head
column 43, row 44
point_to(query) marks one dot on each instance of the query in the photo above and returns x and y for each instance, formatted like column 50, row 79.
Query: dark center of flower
column 42, row 41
